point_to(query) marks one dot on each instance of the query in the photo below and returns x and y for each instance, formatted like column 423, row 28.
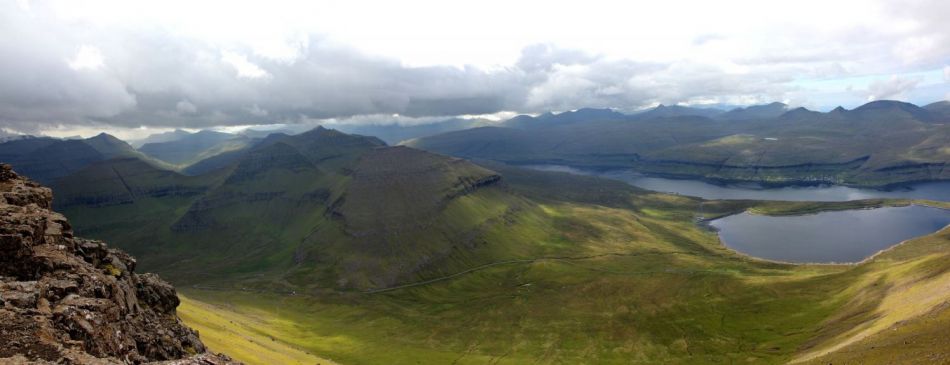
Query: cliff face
column 65, row 299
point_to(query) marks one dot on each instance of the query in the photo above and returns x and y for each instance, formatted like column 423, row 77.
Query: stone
column 70, row 300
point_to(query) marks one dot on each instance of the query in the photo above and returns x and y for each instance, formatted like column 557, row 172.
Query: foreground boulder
column 70, row 300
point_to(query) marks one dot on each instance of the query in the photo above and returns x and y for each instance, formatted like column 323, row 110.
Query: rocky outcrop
column 70, row 300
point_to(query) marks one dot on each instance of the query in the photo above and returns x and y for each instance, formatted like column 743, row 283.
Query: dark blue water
column 843, row 236
column 939, row 191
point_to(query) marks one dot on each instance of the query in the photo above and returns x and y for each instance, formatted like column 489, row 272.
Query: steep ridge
column 65, row 299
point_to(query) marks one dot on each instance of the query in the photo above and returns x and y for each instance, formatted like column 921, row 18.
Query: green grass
column 246, row 335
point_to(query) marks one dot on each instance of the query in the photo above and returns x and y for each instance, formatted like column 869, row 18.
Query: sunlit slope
column 899, row 311
column 246, row 335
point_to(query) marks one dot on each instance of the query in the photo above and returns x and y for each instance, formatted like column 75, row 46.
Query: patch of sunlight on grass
column 241, row 335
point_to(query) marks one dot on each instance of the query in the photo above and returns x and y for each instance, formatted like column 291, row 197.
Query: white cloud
column 244, row 68
column 87, row 58
column 946, row 73
column 257, row 111
column 895, row 87
column 186, row 107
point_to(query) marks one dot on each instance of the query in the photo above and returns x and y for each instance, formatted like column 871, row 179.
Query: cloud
column 88, row 58
column 185, row 107
column 96, row 68
column 242, row 66
column 894, row 87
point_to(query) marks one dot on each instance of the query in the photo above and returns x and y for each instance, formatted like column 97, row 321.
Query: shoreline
column 727, row 182
column 706, row 224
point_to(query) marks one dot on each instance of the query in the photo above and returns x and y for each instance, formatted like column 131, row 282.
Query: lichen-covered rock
column 70, row 300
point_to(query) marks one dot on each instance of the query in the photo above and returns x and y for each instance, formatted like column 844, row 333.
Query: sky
column 131, row 68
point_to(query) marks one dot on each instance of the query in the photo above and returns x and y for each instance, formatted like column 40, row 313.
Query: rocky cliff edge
column 68, row 300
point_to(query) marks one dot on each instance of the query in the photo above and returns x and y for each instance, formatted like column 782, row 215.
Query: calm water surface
column 842, row 236
column 939, row 191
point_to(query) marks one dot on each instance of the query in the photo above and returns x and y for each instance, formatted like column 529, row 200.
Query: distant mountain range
column 160, row 137
column 45, row 159
column 669, row 140
column 879, row 143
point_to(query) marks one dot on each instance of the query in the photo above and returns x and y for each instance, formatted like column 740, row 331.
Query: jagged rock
column 75, row 301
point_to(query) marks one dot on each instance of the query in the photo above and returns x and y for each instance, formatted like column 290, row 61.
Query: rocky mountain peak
column 70, row 300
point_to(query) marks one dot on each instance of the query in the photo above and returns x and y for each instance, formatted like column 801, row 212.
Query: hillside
column 878, row 144
column 65, row 299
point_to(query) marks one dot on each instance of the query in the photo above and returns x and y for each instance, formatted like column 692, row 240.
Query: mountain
column 160, row 137
column 800, row 113
column 877, row 144
column 766, row 111
column 663, row 111
column 46, row 159
column 940, row 110
column 194, row 147
column 110, row 146
column 395, row 133
column 584, row 115
column 365, row 214
column 71, row 300
column 893, row 109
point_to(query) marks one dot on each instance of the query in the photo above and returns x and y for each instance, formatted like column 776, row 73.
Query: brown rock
column 75, row 301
